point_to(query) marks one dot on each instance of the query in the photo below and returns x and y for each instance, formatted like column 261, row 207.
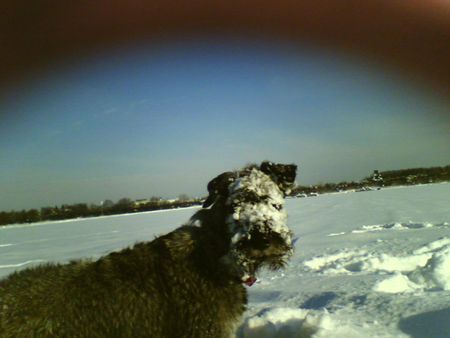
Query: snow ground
column 366, row 264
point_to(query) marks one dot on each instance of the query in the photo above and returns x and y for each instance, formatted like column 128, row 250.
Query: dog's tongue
column 250, row 281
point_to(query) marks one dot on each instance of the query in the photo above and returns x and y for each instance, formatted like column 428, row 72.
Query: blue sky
column 163, row 119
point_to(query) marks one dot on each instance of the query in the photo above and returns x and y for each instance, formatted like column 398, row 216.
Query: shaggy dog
column 188, row 283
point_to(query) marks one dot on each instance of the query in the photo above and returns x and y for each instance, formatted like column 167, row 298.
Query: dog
column 187, row 283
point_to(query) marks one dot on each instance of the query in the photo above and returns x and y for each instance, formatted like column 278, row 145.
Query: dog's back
column 151, row 290
column 187, row 283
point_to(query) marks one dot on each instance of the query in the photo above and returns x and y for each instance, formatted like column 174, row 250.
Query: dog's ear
column 267, row 167
column 218, row 187
column 282, row 174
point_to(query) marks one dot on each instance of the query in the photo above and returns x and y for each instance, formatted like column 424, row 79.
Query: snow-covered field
column 366, row 264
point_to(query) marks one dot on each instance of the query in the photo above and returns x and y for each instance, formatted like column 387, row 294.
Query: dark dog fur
column 183, row 284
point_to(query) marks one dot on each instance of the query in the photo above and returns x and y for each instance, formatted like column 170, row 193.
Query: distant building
column 107, row 203
column 411, row 179
column 140, row 202
column 377, row 179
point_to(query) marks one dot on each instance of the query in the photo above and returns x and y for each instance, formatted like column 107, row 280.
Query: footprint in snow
column 423, row 269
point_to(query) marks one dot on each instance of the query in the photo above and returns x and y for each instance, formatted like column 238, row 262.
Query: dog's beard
column 257, row 225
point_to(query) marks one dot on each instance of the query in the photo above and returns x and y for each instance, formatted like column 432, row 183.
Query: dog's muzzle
column 257, row 225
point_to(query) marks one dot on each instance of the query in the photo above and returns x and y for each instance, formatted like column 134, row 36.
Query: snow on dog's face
column 259, row 233
column 282, row 174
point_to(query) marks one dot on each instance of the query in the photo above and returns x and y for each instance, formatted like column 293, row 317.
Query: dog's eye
column 277, row 206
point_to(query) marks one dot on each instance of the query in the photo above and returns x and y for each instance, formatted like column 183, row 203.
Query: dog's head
column 282, row 174
column 256, row 219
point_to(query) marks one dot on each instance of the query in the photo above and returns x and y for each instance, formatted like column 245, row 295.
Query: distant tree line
column 126, row 205
column 416, row 176
column 107, row 207
column 381, row 179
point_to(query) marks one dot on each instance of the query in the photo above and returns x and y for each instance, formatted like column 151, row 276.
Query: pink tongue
column 250, row 281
